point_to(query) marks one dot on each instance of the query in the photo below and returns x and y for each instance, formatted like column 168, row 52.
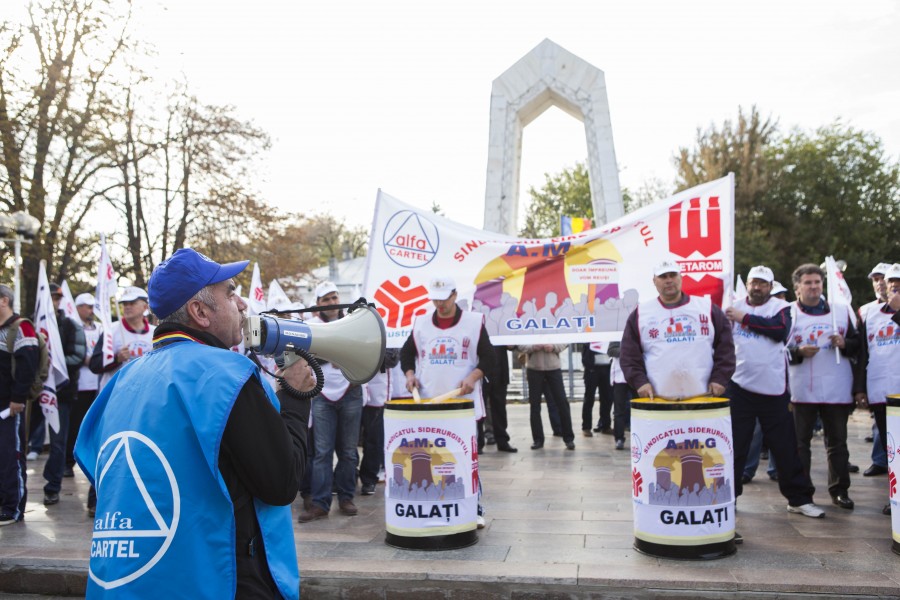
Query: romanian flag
column 570, row 225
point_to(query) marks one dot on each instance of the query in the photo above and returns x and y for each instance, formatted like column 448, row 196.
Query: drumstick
column 447, row 396
column 416, row 396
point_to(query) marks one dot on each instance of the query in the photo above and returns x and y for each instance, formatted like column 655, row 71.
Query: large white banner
column 574, row 288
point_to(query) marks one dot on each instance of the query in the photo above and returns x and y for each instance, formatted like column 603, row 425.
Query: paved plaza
column 559, row 525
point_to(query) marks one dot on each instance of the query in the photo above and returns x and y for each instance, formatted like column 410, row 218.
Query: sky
column 359, row 95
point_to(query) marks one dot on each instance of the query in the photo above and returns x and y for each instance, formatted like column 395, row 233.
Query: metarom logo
column 411, row 240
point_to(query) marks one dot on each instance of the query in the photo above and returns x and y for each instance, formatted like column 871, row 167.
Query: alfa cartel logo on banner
column 573, row 288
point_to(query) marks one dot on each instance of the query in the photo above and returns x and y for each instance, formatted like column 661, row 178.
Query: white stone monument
column 548, row 76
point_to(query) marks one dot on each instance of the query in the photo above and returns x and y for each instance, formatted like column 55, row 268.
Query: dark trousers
column 36, row 437
column 552, row 383
column 834, row 422
column 373, row 444
column 552, row 412
column 306, row 480
column 81, row 404
column 597, row 380
column 779, row 436
column 13, row 492
column 56, row 460
column 495, row 395
column 622, row 396
column 879, row 411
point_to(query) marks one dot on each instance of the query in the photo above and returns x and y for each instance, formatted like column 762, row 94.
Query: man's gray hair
column 181, row 316
column 6, row 292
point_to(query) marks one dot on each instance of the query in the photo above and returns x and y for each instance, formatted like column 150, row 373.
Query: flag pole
column 830, row 266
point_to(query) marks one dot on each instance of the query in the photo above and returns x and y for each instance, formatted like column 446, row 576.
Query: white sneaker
column 807, row 510
column 480, row 522
column 31, row 455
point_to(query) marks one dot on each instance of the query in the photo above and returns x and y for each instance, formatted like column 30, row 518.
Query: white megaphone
column 355, row 343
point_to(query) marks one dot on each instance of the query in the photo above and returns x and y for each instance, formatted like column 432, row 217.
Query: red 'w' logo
column 708, row 286
column 258, row 294
column 637, row 482
column 695, row 228
column 399, row 302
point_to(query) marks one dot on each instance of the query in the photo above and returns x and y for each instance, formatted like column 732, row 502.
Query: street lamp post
column 18, row 227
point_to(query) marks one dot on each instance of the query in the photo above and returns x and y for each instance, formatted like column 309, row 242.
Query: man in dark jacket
column 71, row 335
column 15, row 387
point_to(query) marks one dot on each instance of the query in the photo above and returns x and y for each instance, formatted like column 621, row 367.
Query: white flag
column 68, row 302
column 740, row 290
column 838, row 290
column 106, row 289
column 256, row 301
column 45, row 321
column 277, row 299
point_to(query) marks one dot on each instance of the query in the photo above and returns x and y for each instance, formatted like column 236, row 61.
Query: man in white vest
column 880, row 287
column 880, row 355
column 463, row 369
column 821, row 381
column 758, row 389
column 87, row 387
column 676, row 346
column 336, row 415
column 132, row 335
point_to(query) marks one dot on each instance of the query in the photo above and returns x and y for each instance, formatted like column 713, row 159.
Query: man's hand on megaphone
column 299, row 375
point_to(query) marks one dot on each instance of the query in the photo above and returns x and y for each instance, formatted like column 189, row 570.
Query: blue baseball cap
column 178, row 278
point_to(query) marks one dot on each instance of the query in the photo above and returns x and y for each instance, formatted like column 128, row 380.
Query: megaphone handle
column 290, row 358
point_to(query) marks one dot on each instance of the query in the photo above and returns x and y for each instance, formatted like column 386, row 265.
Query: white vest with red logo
column 138, row 344
column 678, row 346
column 883, row 337
column 761, row 361
column 447, row 356
column 819, row 379
column 865, row 308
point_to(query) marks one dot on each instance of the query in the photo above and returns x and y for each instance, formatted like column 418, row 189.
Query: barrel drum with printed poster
column 893, row 449
column 431, row 469
column 682, row 469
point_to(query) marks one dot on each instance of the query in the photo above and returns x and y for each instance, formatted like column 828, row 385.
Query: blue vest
column 150, row 444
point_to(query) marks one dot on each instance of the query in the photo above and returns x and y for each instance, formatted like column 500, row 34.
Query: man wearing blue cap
column 194, row 458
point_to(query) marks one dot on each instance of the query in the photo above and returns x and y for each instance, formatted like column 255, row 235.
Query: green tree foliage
column 737, row 147
column 567, row 193
column 832, row 192
column 803, row 196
